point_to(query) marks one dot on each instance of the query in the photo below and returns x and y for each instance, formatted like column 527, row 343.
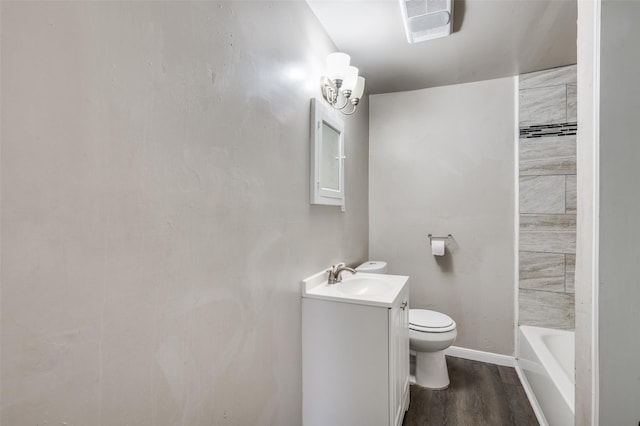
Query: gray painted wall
column 442, row 161
column 155, row 210
column 619, row 281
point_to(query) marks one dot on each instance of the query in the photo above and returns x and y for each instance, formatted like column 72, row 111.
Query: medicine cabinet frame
column 327, row 156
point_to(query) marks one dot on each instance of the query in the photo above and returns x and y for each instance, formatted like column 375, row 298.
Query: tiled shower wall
column 547, row 197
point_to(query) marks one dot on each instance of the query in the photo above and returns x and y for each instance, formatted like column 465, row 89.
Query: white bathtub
column 547, row 358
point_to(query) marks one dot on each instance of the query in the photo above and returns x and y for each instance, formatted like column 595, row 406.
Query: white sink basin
column 361, row 286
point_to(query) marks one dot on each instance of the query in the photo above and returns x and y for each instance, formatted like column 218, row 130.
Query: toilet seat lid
column 430, row 321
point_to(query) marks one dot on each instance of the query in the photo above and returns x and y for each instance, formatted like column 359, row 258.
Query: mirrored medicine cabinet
column 327, row 156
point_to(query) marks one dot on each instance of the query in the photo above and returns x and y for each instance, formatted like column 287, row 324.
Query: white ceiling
column 491, row 39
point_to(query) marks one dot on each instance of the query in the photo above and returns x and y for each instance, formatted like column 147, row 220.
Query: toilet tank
column 373, row 267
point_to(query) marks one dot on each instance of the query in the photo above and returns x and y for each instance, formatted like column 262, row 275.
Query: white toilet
column 430, row 333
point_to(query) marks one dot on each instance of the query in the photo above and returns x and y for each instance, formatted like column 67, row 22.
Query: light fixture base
column 338, row 99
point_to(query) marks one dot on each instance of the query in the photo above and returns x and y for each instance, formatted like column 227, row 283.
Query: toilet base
column 431, row 370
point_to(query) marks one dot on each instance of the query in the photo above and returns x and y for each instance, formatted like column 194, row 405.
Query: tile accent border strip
column 546, row 130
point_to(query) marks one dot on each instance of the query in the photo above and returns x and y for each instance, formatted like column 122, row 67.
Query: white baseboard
column 488, row 357
column 532, row 398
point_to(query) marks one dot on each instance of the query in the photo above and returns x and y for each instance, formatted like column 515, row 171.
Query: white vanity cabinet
column 355, row 361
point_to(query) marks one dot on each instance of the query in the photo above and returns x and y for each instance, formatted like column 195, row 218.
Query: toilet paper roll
column 437, row 247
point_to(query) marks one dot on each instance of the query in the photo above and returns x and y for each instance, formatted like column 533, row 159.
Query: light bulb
column 358, row 89
column 337, row 64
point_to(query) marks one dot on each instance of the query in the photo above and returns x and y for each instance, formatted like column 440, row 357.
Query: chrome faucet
column 336, row 271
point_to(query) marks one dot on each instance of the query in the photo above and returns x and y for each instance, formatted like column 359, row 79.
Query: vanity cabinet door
column 399, row 358
column 345, row 364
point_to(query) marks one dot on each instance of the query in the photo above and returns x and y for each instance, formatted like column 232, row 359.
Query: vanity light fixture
column 342, row 87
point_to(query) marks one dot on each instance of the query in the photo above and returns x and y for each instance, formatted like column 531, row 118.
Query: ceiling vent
column 427, row 19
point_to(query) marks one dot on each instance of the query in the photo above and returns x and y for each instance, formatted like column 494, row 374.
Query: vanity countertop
column 360, row 288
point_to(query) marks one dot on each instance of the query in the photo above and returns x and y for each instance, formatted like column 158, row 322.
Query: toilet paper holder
column 431, row 237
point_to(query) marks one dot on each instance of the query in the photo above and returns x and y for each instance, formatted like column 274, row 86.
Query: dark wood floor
column 479, row 394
